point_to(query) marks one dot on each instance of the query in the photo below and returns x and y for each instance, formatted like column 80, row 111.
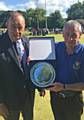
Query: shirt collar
column 77, row 48
column 19, row 41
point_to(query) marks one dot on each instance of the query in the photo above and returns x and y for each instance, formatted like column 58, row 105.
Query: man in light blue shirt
column 66, row 92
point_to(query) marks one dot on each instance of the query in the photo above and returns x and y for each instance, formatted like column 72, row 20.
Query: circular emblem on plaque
column 42, row 74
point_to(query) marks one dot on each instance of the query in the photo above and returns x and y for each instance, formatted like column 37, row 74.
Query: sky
column 49, row 5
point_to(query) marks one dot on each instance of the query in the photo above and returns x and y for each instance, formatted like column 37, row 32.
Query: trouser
column 27, row 111
column 13, row 115
column 66, row 108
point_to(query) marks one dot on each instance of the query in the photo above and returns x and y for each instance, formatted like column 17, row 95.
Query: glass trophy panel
column 42, row 74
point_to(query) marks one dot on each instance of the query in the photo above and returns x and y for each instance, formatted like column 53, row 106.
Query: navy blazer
column 12, row 79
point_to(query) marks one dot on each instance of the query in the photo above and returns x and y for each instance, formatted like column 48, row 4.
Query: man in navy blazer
column 16, row 91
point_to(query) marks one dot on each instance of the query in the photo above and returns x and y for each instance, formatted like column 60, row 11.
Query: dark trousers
column 66, row 108
column 27, row 111
column 13, row 115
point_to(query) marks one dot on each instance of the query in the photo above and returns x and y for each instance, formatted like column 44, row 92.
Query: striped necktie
column 20, row 49
column 17, row 55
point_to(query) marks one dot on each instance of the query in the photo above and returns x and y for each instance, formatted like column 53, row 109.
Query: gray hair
column 14, row 14
column 73, row 23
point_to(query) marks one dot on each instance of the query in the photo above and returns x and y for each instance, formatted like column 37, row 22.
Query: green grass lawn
column 42, row 109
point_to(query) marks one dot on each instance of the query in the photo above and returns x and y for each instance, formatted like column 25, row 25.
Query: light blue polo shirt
column 69, row 68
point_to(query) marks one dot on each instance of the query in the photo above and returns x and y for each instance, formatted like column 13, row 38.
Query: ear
column 6, row 24
column 80, row 33
column 63, row 34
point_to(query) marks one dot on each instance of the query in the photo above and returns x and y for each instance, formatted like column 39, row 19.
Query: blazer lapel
column 7, row 45
column 14, row 56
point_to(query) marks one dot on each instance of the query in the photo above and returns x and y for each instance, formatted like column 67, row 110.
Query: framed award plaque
column 43, row 61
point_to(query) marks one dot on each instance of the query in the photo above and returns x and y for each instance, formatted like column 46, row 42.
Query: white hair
column 73, row 23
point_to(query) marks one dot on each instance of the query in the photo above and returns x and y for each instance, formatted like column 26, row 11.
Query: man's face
column 16, row 27
column 71, row 36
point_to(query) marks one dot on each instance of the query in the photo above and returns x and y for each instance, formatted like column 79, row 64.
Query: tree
column 4, row 15
column 76, row 11
column 55, row 20
column 40, row 16
column 34, row 17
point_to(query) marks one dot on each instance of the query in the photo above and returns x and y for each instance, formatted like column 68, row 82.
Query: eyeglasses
column 17, row 26
column 72, row 35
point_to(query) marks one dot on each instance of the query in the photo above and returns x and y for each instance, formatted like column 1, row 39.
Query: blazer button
column 24, row 86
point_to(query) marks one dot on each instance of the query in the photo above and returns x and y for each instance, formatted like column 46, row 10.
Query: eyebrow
column 16, row 25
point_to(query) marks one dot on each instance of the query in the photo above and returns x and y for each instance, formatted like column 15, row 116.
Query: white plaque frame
column 42, row 48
